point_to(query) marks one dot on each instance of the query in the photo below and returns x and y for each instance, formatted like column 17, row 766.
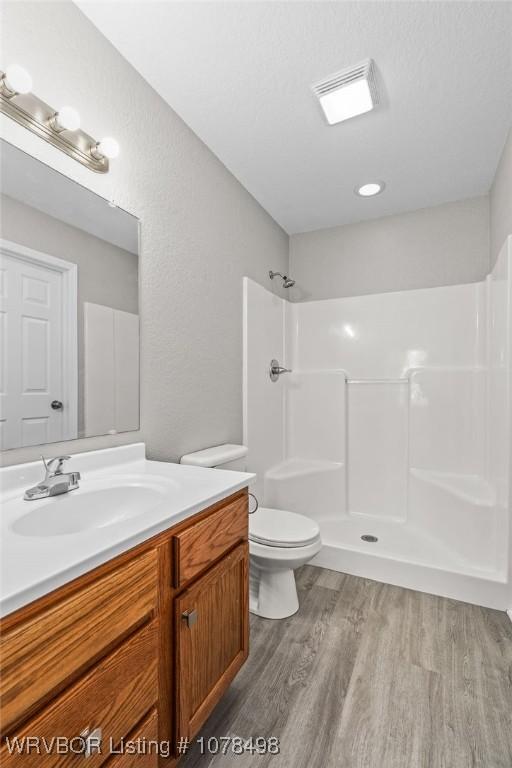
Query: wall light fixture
column 58, row 127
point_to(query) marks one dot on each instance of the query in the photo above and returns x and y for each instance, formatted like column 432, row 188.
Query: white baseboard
column 509, row 613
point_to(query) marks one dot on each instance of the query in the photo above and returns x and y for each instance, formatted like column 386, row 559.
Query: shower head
column 287, row 281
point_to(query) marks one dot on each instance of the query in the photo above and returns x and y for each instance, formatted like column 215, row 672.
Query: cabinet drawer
column 114, row 696
column 42, row 655
column 147, row 731
column 204, row 542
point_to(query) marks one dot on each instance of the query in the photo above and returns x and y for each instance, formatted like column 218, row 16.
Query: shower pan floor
column 405, row 556
column 395, row 540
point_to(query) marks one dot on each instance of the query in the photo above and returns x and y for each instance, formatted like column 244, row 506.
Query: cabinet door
column 212, row 639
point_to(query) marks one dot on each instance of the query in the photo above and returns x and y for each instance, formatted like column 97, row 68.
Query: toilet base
column 272, row 589
column 272, row 594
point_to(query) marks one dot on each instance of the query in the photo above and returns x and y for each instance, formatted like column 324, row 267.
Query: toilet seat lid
column 279, row 528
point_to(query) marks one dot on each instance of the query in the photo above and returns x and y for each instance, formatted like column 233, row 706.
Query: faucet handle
column 50, row 462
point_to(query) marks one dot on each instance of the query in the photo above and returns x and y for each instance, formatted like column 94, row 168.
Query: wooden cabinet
column 212, row 635
column 113, row 696
column 145, row 644
column 44, row 652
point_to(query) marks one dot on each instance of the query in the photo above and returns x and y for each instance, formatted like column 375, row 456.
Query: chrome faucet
column 55, row 481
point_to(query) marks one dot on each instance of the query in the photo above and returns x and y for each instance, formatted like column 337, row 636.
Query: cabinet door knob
column 56, row 405
column 190, row 617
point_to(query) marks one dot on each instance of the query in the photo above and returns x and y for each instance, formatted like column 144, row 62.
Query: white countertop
column 34, row 565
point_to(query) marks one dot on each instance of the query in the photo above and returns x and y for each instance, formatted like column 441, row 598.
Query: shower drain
column 369, row 537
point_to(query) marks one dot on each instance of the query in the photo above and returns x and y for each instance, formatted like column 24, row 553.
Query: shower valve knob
column 275, row 370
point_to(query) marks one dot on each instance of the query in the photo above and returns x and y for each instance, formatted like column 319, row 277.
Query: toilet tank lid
column 215, row 456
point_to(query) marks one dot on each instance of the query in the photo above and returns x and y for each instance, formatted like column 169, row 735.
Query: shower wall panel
column 385, row 335
column 500, row 401
column 377, row 449
column 263, row 399
column 447, row 420
column 315, row 415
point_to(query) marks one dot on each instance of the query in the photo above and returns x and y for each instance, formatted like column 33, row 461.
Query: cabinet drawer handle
column 91, row 741
column 190, row 617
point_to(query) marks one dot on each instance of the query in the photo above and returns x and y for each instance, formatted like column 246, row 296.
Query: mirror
column 69, row 309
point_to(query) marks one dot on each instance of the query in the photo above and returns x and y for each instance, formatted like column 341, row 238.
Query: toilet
column 279, row 541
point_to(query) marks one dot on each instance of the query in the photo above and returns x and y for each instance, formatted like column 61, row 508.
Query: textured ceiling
column 239, row 74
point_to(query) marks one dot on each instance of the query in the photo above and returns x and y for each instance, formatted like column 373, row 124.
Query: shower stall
column 392, row 429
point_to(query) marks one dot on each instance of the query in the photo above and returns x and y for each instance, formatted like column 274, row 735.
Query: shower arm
column 287, row 281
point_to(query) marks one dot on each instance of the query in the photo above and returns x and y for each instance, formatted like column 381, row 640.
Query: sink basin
column 87, row 509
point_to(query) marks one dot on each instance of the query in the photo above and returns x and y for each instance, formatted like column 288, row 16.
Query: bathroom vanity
column 124, row 601
column 142, row 645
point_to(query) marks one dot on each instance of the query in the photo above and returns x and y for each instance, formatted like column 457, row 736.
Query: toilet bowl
column 279, row 542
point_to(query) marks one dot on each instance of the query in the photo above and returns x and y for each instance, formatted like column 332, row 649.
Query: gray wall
column 501, row 201
column 201, row 230
column 443, row 245
column 107, row 275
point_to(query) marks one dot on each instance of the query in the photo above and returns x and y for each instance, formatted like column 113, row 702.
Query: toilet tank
column 225, row 456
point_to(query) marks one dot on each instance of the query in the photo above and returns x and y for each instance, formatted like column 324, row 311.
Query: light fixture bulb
column 371, row 189
column 66, row 119
column 107, row 147
column 17, row 79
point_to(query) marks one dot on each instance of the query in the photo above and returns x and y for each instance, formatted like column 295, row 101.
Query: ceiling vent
column 347, row 93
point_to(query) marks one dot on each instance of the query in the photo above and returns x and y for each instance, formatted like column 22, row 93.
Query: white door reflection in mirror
column 111, row 352
column 39, row 363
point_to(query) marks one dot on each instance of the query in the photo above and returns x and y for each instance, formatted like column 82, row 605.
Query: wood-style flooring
column 367, row 675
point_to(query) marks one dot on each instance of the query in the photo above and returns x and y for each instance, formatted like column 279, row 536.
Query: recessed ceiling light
column 347, row 93
column 371, row 189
